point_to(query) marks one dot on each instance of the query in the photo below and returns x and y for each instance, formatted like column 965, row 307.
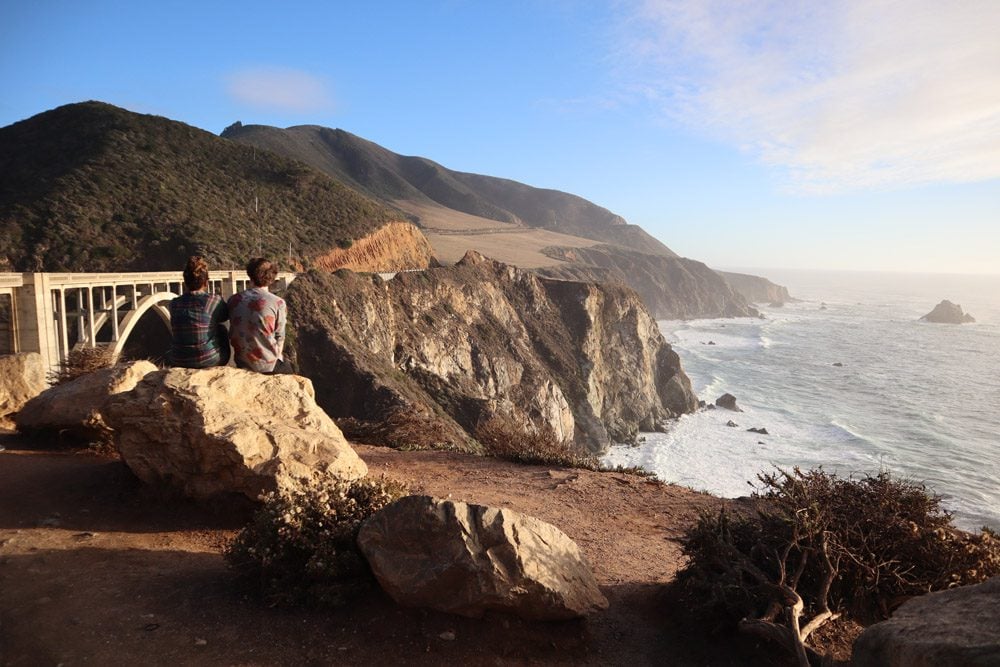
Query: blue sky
column 834, row 135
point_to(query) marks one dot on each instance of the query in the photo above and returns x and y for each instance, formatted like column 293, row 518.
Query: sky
column 788, row 134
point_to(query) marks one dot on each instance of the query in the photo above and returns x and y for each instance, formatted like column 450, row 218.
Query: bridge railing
column 53, row 313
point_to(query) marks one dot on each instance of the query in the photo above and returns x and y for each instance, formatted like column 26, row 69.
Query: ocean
column 920, row 400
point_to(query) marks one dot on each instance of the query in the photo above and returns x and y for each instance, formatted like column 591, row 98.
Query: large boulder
column 960, row 626
column 222, row 430
column 76, row 407
column 947, row 312
column 467, row 559
column 22, row 377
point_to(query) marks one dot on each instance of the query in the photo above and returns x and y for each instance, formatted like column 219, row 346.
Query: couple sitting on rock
column 256, row 322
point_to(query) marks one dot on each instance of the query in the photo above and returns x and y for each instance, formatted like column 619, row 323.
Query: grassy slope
column 91, row 187
column 391, row 177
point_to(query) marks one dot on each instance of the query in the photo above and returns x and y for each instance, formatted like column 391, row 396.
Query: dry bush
column 301, row 545
column 819, row 547
column 82, row 361
column 402, row 430
column 504, row 439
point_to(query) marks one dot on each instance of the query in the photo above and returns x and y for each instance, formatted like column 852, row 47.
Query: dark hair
column 195, row 273
column 261, row 272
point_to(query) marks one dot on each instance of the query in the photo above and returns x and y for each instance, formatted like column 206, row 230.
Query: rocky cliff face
column 398, row 246
column 756, row 289
column 673, row 288
column 453, row 347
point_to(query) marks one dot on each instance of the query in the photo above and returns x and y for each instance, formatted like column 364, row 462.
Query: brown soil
column 95, row 568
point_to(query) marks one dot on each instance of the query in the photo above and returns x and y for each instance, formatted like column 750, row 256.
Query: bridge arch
column 156, row 302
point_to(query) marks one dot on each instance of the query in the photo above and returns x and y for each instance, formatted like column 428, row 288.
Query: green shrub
column 301, row 545
column 817, row 547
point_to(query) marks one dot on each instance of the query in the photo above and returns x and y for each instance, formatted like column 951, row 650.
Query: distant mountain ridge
column 391, row 178
column 92, row 187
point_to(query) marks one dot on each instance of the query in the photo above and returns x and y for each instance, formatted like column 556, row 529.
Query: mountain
column 92, row 187
column 558, row 234
column 756, row 289
column 432, row 193
column 673, row 288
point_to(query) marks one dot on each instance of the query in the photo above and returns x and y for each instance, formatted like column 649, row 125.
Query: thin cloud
column 844, row 95
column 280, row 89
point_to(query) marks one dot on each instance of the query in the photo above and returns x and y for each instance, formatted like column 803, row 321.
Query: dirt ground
column 96, row 568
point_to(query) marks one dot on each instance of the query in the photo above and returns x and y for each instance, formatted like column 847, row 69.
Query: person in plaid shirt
column 257, row 328
column 196, row 317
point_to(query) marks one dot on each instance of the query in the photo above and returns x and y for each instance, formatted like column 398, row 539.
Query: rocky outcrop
column 960, row 626
column 756, row 289
column 728, row 401
column 76, row 408
column 673, row 288
column 224, row 430
column 468, row 559
column 464, row 344
column 22, row 377
column 947, row 312
column 398, row 246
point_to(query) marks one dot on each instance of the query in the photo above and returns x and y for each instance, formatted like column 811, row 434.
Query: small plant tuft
column 82, row 361
column 301, row 545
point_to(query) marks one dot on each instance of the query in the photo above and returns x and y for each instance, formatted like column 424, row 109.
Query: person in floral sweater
column 257, row 322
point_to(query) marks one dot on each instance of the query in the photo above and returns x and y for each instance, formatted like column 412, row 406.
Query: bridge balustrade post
column 36, row 319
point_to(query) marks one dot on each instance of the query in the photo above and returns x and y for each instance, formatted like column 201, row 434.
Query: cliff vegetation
column 92, row 187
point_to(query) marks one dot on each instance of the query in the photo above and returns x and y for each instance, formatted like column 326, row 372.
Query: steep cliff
column 756, row 289
column 453, row 347
column 671, row 287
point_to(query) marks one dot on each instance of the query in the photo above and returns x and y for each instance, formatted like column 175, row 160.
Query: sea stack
column 947, row 312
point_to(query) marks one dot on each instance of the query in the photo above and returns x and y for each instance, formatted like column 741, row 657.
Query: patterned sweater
column 257, row 329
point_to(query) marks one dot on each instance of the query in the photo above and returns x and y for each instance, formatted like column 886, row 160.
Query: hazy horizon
column 840, row 136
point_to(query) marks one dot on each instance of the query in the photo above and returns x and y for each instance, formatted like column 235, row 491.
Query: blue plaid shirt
column 198, row 337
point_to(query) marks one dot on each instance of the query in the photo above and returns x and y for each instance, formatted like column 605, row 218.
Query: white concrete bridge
column 54, row 313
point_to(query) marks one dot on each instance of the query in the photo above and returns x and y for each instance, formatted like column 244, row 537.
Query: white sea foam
column 918, row 400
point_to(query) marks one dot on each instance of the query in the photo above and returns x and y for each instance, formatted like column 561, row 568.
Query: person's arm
column 279, row 329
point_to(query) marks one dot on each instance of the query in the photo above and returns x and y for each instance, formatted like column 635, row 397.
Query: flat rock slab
column 77, row 406
column 960, row 626
column 466, row 559
column 224, row 430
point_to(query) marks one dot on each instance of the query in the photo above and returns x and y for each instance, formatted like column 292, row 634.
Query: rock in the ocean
column 467, row 559
column 727, row 401
column 838, row 364
column 732, row 424
column 220, row 430
column 759, row 431
column 76, row 407
column 22, row 377
column 960, row 626
column 947, row 312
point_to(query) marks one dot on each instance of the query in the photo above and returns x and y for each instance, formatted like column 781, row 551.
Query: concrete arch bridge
column 54, row 313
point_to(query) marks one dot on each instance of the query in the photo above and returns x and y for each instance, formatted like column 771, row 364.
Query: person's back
column 198, row 337
column 257, row 322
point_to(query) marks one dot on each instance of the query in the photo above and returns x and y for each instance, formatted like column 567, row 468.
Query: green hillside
column 92, row 187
